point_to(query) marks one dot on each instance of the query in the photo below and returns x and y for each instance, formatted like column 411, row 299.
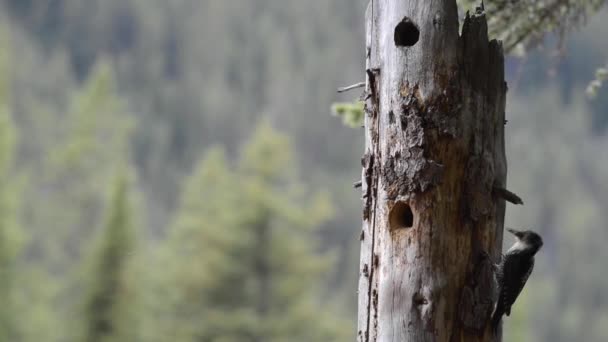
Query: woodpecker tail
column 497, row 317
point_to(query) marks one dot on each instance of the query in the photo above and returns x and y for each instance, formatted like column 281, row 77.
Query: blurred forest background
column 170, row 171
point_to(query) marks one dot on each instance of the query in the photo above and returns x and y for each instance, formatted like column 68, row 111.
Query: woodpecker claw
column 486, row 256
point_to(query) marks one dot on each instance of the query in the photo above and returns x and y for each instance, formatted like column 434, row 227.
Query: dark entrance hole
column 401, row 216
column 406, row 33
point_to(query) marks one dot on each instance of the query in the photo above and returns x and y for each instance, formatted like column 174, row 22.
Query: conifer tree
column 66, row 190
column 525, row 22
column 243, row 250
column 111, row 297
column 9, row 235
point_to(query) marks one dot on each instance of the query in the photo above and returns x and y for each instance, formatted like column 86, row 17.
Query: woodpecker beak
column 515, row 232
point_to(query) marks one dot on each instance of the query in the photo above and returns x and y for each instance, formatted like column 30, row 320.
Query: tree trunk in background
column 435, row 112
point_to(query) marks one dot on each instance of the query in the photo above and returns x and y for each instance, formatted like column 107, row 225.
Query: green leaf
column 352, row 114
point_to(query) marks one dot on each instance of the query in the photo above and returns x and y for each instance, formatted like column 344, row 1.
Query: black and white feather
column 513, row 271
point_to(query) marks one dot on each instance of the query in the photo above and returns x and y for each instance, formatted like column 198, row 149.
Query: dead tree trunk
column 435, row 115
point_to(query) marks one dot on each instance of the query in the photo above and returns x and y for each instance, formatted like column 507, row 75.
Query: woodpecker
column 513, row 271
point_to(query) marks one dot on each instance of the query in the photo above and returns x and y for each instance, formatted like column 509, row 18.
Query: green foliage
column 7, row 244
column 11, row 234
column 111, row 300
column 352, row 114
column 89, row 144
column 71, row 163
column 242, row 251
column 601, row 75
column 95, row 125
column 522, row 23
column 10, row 237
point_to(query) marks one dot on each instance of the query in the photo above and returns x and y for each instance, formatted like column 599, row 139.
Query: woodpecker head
column 526, row 240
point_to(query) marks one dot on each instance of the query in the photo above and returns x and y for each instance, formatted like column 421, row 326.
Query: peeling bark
column 435, row 113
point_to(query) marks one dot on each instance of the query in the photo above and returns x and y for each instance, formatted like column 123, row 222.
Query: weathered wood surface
column 434, row 131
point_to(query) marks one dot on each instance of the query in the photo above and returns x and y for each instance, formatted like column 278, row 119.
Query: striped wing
column 516, row 267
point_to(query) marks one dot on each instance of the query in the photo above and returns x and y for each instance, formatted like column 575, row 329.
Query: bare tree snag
column 435, row 113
